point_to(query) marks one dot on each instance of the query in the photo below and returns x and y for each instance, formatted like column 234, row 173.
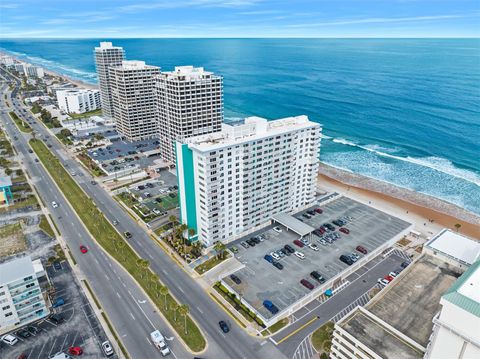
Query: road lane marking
column 198, row 308
column 132, row 316
column 297, row 330
column 118, row 295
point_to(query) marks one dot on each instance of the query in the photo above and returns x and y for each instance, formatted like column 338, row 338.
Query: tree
column 174, row 307
column 164, row 291
column 120, row 245
column 191, row 233
column 154, row 280
column 326, row 346
column 142, row 264
column 183, row 310
column 457, row 226
column 172, row 219
column 220, row 249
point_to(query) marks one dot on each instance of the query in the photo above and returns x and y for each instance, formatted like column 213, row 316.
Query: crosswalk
column 401, row 254
column 360, row 301
column 305, row 349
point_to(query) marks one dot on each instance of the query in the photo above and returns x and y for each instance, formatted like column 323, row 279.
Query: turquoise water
column 406, row 111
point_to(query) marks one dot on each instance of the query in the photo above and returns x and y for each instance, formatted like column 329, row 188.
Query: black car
column 36, row 159
column 224, row 326
column 255, row 239
column 346, row 259
column 158, row 200
column 317, row 276
column 404, row 264
column 337, row 223
column 306, row 216
column 277, row 265
column 235, row 279
column 329, row 226
column 32, row 329
column 311, row 212
column 56, row 318
column 30, row 151
column 250, row 242
column 127, row 235
column 24, row 333
column 57, row 265
column 289, row 248
column 284, row 251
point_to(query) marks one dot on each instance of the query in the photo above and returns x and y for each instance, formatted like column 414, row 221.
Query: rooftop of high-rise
column 188, row 73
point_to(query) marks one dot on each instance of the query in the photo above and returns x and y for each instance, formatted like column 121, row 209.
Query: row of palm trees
column 177, row 236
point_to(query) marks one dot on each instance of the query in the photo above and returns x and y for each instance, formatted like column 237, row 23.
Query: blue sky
column 239, row 18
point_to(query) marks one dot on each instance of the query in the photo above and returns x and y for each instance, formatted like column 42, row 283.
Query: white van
column 9, row 339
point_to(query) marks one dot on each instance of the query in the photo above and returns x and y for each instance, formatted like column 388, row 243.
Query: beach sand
column 78, row 83
column 414, row 207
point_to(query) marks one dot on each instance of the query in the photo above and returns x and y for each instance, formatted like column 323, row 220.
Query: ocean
column 405, row 111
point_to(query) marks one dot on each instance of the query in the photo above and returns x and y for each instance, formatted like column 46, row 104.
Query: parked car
column 255, row 239
column 382, row 281
column 355, row 257
column 330, row 227
column 323, row 242
column 289, row 248
column 268, row 258
column 260, row 238
column 244, row 244
column 10, row 339
column 83, row 249
column 307, row 284
column 389, row 278
column 361, row 249
column 317, row 276
column 298, row 243
column 234, row 249
column 299, row 255
column 32, row 329
column 22, row 356
column 284, row 252
column 393, row 274
column 344, row 230
column 56, row 318
column 24, row 333
column 250, row 242
column 270, row 306
column 107, row 348
column 224, row 326
column 346, row 259
column 75, row 351
column 318, row 210
column 277, row 229
column 57, row 265
column 311, row 212
column 277, row 265
column 405, row 264
column 314, row 247
column 304, row 241
column 59, row 302
column 337, row 222
column 307, row 216
column 280, row 253
column 235, row 279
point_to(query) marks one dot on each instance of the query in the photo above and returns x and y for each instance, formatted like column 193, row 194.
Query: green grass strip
column 54, row 224
column 114, row 333
column 22, row 125
column 45, row 226
column 106, row 235
column 91, row 293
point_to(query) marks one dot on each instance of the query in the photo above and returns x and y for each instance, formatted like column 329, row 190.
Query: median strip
column 106, row 236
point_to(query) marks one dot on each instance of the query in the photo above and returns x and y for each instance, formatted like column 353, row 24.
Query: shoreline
column 429, row 214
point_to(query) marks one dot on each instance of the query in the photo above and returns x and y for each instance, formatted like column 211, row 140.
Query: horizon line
column 249, row 37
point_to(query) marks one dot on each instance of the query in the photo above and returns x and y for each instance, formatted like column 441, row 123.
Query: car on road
column 314, row 247
column 344, row 230
column 346, row 259
column 224, row 326
column 317, row 276
column 277, row 265
column 127, row 235
column 289, row 248
column 362, row 249
column 107, row 348
column 382, row 281
column 298, row 243
column 30, row 151
column 299, row 255
column 268, row 258
column 235, row 279
column 54, row 204
column 277, row 229
column 83, row 249
column 272, row 308
column 24, row 333
column 10, row 339
column 244, row 244
column 75, row 351
column 307, row 284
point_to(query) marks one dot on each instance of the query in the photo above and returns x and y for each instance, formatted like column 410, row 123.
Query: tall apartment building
column 106, row 56
column 190, row 103
column 21, row 299
column 133, row 98
column 78, row 100
column 33, row 71
column 233, row 181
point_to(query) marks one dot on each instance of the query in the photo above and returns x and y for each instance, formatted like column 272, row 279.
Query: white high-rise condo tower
column 106, row 56
column 190, row 103
column 233, row 181
column 133, row 99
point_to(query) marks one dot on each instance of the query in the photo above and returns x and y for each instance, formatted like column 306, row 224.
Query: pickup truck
column 159, row 341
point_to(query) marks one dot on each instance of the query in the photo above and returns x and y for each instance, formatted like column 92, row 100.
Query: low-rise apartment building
column 233, row 181
column 78, row 100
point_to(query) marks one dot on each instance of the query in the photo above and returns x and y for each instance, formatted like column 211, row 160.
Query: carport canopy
column 293, row 224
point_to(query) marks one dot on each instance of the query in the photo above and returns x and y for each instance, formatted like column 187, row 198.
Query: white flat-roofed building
column 233, row 181
column 19, row 67
column 134, row 101
column 456, row 331
column 107, row 55
column 190, row 103
column 21, row 299
column 454, row 248
column 33, row 71
column 78, row 100
column 6, row 60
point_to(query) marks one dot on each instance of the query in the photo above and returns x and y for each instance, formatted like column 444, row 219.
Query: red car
column 389, row 278
column 344, row 230
column 75, row 351
column 22, row 356
column 307, row 284
column 322, row 230
column 84, row 250
column 318, row 210
column 362, row 249
column 298, row 243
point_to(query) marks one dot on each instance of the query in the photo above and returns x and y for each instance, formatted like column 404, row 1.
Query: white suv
column 9, row 339
column 54, row 204
column 277, row 229
column 107, row 348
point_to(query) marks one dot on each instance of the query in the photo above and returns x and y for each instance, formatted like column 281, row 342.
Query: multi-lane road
column 133, row 317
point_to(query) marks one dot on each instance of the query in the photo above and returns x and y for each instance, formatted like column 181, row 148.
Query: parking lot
column 260, row 280
column 80, row 326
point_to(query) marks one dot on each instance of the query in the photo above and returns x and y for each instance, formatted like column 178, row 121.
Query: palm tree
column 154, row 280
column 183, row 310
column 220, row 249
column 142, row 264
column 120, row 244
column 164, row 291
column 172, row 219
column 174, row 306
column 191, row 233
column 457, row 226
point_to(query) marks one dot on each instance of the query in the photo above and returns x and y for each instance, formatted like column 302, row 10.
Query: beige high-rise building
column 106, row 56
column 133, row 99
column 190, row 103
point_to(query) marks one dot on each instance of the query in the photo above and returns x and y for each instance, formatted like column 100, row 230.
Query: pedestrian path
column 305, row 349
